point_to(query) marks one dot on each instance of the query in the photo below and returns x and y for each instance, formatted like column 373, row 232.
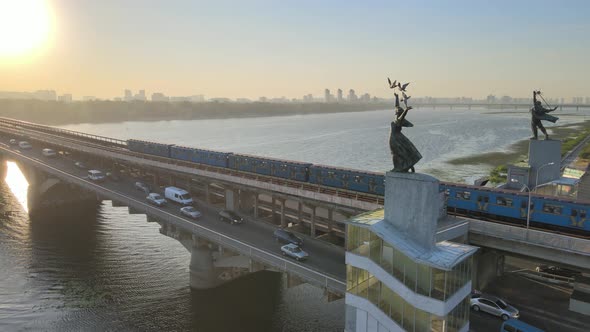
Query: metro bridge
column 502, row 106
column 222, row 252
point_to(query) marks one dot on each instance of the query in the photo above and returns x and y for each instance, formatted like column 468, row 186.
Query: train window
column 582, row 214
column 447, row 192
column 574, row 212
column 463, row 195
column 553, row 209
column 507, row 202
column 485, row 199
column 357, row 179
column 331, row 175
column 479, row 198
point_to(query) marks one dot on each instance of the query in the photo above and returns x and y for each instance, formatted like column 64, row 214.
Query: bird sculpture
column 392, row 85
column 402, row 87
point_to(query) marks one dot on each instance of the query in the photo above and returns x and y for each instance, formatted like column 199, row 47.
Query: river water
column 108, row 270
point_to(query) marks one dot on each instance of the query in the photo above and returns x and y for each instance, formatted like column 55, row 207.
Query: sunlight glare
column 24, row 26
column 17, row 183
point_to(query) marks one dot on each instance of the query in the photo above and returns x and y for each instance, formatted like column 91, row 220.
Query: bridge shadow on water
column 246, row 304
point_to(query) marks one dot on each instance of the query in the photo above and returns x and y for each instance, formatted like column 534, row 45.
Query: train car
column 156, row 149
column 201, row 156
column 554, row 213
column 286, row 169
column 363, row 181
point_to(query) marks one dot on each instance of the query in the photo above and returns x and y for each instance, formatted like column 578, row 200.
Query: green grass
column 498, row 174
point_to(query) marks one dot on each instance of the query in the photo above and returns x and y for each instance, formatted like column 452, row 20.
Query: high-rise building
column 327, row 96
column 65, row 98
column 44, row 95
column 340, row 99
column 158, row 96
column 140, row 96
column 128, row 95
column 352, row 96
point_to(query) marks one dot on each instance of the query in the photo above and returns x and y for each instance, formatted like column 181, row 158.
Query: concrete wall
column 412, row 204
column 543, row 152
column 489, row 265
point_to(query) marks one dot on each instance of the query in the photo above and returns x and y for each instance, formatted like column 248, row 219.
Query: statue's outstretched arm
column 396, row 100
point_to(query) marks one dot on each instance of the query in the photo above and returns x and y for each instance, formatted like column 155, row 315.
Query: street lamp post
column 538, row 170
column 528, row 210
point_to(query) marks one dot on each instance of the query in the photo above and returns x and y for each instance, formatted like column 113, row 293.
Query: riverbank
column 570, row 135
column 95, row 112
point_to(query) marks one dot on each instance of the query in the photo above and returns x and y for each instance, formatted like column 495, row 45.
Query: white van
column 49, row 153
column 178, row 195
column 95, row 175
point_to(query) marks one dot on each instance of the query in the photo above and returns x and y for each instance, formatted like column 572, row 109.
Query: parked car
column 49, row 153
column 178, row 195
column 230, row 217
column 556, row 270
column 156, row 199
column 142, row 187
column 494, row 306
column 80, row 165
column 13, row 142
column 190, row 212
column 294, row 251
column 96, row 175
column 25, row 145
column 285, row 236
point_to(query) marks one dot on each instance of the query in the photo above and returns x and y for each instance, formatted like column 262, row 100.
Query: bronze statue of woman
column 404, row 153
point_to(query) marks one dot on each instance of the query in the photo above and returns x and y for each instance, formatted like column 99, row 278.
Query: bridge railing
column 311, row 276
column 44, row 128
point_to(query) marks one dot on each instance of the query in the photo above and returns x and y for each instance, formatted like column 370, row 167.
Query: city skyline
column 248, row 50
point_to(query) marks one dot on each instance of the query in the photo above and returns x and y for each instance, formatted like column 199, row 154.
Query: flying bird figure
column 392, row 85
column 406, row 97
column 403, row 87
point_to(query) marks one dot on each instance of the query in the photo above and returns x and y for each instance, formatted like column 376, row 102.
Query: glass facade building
column 417, row 276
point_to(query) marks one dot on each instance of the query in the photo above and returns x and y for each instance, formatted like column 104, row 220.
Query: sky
column 252, row 48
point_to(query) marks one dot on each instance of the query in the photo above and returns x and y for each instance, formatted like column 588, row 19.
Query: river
column 108, row 270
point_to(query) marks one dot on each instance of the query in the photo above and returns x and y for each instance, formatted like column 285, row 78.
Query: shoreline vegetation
column 570, row 135
column 58, row 113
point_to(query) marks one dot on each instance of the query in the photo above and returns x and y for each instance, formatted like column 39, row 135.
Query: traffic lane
column 542, row 305
column 322, row 257
column 484, row 322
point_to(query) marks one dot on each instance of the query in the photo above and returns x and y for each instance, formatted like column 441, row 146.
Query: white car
column 96, row 176
column 24, row 145
column 13, row 142
column 294, row 251
column 190, row 212
column 494, row 306
column 156, row 199
column 49, row 153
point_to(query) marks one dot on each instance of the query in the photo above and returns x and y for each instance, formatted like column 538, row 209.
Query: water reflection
column 17, row 183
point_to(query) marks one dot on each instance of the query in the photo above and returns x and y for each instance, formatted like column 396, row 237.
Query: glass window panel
column 438, row 284
column 423, row 285
column 408, row 317
column 385, row 300
column 397, row 308
column 422, row 321
column 374, row 290
column 375, row 251
column 387, row 257
column 349, row 278
column 410, row 275
column 352, row 238
column 364, row 242
column 398, row 265
column 364, row 284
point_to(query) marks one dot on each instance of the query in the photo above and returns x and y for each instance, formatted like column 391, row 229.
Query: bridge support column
column 273, row 209
column 489, row 264
column 312, row 222
column 247, row 203
column 202, row 271
column 299, row 212
column 283, row 219
column 330, row 220
column 255, row 205
column 231, row 199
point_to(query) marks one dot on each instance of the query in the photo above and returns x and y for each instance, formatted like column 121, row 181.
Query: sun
column 24, row 26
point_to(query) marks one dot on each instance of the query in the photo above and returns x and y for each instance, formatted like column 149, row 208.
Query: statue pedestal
column 413, row 205
column 542, row 153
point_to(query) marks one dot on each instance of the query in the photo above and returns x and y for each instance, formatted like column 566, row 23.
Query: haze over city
column 274, row 49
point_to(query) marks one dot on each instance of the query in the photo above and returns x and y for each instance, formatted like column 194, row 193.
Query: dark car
column 285, row 236
column 230, row 217
column 556, row 270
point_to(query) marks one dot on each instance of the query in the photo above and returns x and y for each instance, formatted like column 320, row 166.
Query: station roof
column 444, row 255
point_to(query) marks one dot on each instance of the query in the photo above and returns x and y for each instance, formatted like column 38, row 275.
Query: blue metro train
column 555, row 213
column 503, row 205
